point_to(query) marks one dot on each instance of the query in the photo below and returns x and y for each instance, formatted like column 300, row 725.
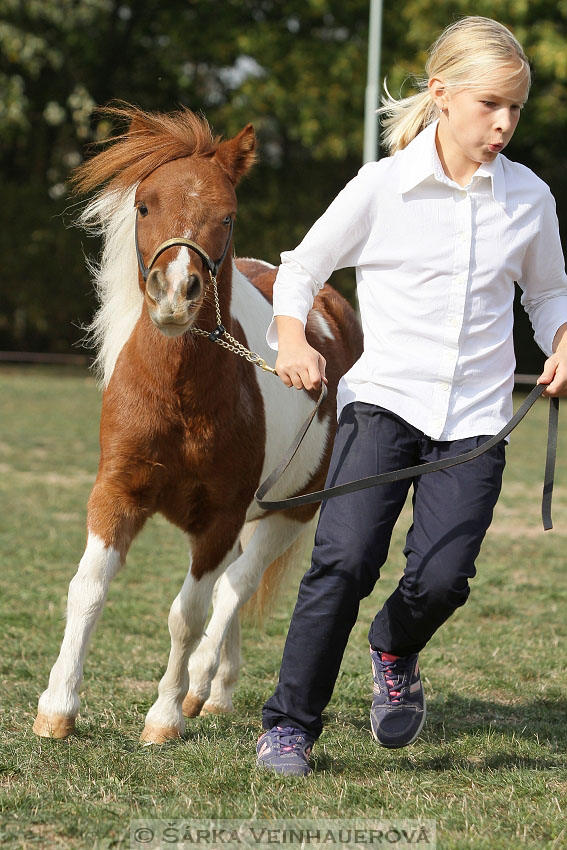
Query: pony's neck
column 189, row 365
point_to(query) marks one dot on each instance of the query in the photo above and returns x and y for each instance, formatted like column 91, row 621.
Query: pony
column 187, row 428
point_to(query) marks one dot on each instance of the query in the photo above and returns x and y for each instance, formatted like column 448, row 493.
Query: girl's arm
column 544, row 285
column 335, row 241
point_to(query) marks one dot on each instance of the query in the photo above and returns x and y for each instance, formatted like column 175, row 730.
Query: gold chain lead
column 233, row 344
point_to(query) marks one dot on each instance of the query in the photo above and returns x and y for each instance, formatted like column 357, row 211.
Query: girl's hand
column 301, row 367
column 554, row 375
column 298, row 364
column 555, row 368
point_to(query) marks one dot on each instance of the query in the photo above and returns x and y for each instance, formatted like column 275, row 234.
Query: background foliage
column 295, row 68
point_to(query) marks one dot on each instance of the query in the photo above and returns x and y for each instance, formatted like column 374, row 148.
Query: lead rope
column 414, row 471
column 551, row 454
column 232, row 345
column 236, row 347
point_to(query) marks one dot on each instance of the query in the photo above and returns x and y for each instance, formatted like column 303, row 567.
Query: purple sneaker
column 285, row 749
column 398, row 707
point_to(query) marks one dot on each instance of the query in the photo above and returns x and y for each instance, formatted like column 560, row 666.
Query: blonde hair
column 464, row 56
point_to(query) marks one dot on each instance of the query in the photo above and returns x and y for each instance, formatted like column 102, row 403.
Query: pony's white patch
column 226, row 677
column 321, row 324
column 87, row 593
column 186, row 621
column 115, row 277
column 177, row 270
column 261, row 262
column 285, row 409
column 271, row 538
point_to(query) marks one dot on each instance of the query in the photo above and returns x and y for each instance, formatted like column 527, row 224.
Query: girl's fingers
column 292, row 378
column 298, row 381
column 283, row 376
column 317, row 374
column 303, row 374
column 554, row 375
column 556, row 387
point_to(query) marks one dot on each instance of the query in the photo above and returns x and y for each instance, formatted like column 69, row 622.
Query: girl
column 438, row 233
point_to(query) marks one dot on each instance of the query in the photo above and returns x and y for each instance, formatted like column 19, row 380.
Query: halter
column 212, row 265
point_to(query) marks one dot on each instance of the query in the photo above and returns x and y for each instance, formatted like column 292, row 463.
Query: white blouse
column 435, row 269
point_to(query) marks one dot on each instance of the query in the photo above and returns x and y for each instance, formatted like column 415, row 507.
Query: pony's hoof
column 192, row 705
column 53, row 725
column 159, row 734
column 210, row 708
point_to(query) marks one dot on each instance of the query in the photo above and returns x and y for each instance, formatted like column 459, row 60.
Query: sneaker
column 398, row 707
column 285, row 749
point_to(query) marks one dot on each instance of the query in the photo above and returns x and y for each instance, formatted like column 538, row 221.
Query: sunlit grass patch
column 490, row 767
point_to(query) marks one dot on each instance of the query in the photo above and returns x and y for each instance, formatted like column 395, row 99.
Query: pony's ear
column 237, row 155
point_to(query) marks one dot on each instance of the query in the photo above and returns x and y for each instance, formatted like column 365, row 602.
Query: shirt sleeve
column 334, row 242
column 544, row 282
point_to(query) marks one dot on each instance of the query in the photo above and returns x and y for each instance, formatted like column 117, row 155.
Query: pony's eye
column 227, row 220
column 142, row 209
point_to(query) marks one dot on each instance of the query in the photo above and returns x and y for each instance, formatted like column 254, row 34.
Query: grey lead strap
column 412, row 471
column 551, row 454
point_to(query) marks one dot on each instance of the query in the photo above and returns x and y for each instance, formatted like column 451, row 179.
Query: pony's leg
column 186, row 622
column 272, row 537
column 226, row 677
column 104, row 555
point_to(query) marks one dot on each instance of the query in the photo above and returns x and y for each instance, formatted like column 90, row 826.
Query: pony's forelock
column 150, row 140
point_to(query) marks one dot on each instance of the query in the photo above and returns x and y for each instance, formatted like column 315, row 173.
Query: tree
column 295, row 68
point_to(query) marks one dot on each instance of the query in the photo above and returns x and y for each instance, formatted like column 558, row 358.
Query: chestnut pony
column 187, row 428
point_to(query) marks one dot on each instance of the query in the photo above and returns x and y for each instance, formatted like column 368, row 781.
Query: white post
column 371, row 149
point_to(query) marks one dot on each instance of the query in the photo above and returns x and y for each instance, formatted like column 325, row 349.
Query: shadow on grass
column 461, row 734
column 392, row 760
column 454, row 715
column 455, row 720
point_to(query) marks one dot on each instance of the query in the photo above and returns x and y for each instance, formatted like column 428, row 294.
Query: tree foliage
column 296, row 69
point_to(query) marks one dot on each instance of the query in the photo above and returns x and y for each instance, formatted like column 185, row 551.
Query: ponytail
column 405, row 118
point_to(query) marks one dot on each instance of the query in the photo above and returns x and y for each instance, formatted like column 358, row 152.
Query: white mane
column 115, row 277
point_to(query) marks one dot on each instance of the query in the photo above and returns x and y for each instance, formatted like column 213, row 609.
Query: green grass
column 490, row 767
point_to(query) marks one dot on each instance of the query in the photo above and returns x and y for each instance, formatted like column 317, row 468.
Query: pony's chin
column 172, row 328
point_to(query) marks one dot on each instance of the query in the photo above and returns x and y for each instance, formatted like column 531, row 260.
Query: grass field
column 490, row 767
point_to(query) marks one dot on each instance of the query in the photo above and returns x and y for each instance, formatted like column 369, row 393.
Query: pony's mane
column 151, row 140
column 115, row 278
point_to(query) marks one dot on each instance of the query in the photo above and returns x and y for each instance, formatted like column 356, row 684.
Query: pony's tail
column 291, row 564
column 405, row 118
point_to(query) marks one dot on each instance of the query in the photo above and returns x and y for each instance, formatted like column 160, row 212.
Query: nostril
column 155, row 285
column 193, row 287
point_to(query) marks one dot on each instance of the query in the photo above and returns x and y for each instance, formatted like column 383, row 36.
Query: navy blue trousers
column 452, row 510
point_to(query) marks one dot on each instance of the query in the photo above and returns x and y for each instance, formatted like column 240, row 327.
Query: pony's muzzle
column 172, row 303
column 160, row 289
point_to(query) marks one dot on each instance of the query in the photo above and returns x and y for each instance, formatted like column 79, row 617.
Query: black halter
column 212, row 265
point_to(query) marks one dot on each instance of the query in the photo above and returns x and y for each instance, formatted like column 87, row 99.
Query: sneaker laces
column 290, row 740
column 393, row 673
